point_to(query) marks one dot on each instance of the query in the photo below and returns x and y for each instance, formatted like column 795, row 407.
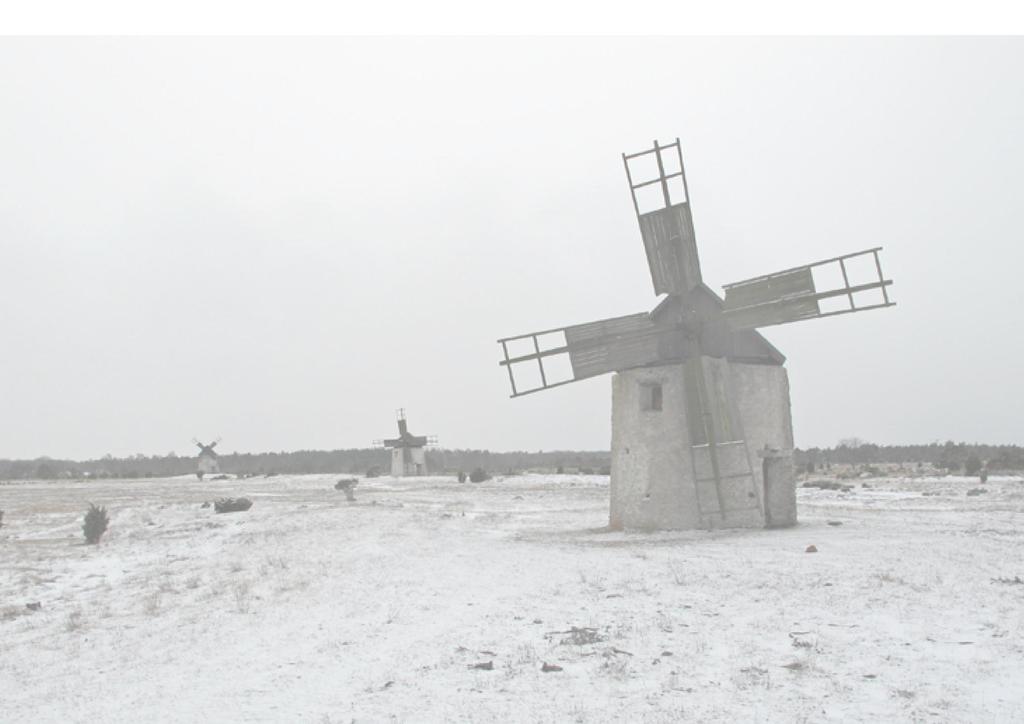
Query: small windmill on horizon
column 408, row 454
column 209, row 462
column 701, row 428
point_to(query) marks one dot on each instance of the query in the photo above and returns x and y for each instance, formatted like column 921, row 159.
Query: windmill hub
column 691, row 325
column 697, row 390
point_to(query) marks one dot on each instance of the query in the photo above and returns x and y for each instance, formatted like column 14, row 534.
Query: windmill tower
column 701, row 428
column 408, row 455
column 208, row 460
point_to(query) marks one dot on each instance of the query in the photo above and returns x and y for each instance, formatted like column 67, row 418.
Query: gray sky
column 282, row 241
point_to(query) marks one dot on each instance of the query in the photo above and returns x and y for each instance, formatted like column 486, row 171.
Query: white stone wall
column 651, row 453
column 417, row 464
column 779, row 490
column 208, row 465
column 418, row 461
column 652, row 484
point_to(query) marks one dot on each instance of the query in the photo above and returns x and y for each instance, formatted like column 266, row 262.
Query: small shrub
column 74, row 622
column 972, row 466
column 1015, row 580
column 479, row 475
column 242, row 591
column 581, row 636
column 95, row 525
column 828, row 485
column 348, row 486
column 2, row 517
column 231, row 505
column 373, row 472
column 461, row 476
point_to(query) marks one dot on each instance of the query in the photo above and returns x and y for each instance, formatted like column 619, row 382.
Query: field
column 427, row 600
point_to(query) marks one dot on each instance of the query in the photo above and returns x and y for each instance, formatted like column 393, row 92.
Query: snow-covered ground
column 309, row 608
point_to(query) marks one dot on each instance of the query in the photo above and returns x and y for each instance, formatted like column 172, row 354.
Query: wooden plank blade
column 604, row 328
column 798, row 282
column 615, row 353
column 671, row 249
column 772, row 313
column 620, row 343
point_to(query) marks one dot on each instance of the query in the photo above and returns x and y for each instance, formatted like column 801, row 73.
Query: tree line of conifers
column 950, row 456
column 361, row 461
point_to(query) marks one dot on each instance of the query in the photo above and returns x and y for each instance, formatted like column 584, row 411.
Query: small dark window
column 650, row 396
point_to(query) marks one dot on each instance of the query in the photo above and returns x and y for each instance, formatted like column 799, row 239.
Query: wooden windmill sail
column 694, row 327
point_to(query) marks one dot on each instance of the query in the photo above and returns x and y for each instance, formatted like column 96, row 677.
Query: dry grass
column 242, row 592
column 9, row 613
column 74, row 622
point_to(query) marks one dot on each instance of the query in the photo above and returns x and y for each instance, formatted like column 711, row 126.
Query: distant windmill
column 408, row 456
column 208, row 460
column 700, row 395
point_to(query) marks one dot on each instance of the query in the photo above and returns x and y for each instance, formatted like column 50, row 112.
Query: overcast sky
column 279, row 242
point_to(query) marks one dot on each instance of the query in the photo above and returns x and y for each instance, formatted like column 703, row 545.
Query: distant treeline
column 356, row 462
column 947, row 456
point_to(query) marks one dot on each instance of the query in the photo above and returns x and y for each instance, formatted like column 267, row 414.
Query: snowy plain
column 390, row 608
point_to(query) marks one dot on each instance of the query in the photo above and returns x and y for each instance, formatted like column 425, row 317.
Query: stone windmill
column 701, row 428
column 408, row 453
column 208, row 459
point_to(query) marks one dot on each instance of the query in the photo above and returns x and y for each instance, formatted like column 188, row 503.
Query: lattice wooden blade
column 581, row 351
column 666, row 223
column 795, row 294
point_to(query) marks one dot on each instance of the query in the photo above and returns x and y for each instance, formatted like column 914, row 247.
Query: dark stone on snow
column 231, row 505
